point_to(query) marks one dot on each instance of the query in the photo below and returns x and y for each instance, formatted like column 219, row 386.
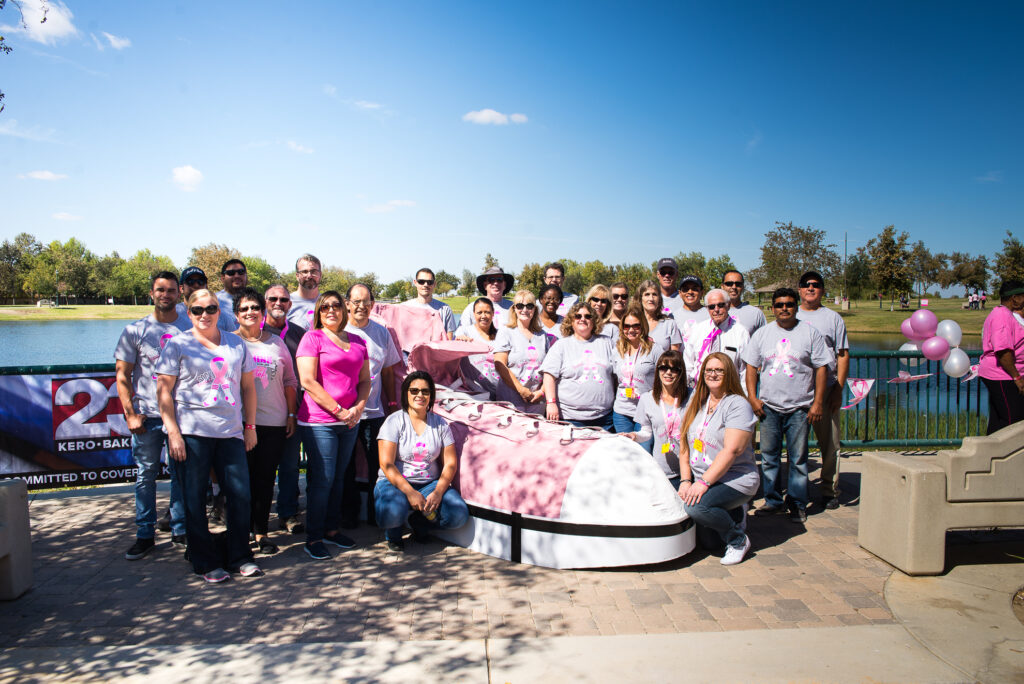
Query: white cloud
column 117, row 43
column 96, row 42
column 493, row 117
column 44, row 27
column 65, row 216
column 296, row 147
column 363, row 104
column 990, row 177
column 389, row 207
column 754, row 141
column 43, row 175
column 36, row 133
column 187, row 177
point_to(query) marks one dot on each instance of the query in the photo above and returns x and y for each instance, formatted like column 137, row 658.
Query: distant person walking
column 1002, row 358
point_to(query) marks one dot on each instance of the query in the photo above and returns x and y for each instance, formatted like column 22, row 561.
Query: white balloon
column 957, row 363
column 911, row 347
column 949, row 331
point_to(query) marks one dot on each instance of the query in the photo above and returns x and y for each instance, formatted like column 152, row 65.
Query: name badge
column 665, row 448
column 629, row 392
column 698, row 445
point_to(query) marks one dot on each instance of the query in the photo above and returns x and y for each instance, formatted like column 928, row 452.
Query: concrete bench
column 15, row 540
column 907, row 503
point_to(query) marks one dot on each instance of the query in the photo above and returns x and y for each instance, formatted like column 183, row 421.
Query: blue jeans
column 623, row 423
column 719, row 510
column 352, row 501
column 604, row 421
column 288, row 477
column 146, row 450
column 393, row 509
column 227, row 458
column 328, row 450
column 794, row 426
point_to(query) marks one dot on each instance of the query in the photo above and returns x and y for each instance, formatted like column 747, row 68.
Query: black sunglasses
column 279, row 299
column 784, row 305
column 617, row 296
column 195, row 282
column 583, row 317
column 247, row 309
column 733, row 283
column 812, row 285
column 631, row 326
column 198, row 310
column 235, row 272
column 424, row 281
column 719, row 305
column 598, row 300
column 665, row 368
column 331, row 306
column 668, row 272
column 524, row 305
column 417, row 391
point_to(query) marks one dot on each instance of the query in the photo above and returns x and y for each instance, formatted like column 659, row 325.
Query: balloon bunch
column 937, row 341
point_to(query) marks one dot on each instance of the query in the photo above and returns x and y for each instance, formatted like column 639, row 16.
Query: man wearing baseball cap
column 193, row 278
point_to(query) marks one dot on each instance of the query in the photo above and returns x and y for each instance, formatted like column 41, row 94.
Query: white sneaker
column 736, row 555
column 250, row 570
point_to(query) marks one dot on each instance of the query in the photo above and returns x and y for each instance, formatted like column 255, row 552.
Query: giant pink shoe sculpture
column 540, row 492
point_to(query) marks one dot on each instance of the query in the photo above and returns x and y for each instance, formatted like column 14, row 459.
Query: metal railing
column 934, row 411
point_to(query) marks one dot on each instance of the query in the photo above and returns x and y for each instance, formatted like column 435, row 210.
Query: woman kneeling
column 417, row 466
column 719, row 476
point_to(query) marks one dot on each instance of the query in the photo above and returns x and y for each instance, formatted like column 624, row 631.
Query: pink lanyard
column 673, row 442
column 628, row 375
column 708, row 341
column 284, row 330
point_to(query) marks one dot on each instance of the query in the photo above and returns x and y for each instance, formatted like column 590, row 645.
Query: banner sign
column 64, row 430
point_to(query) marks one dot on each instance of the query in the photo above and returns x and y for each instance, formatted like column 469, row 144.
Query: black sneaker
column 139, row 549
column 164, row 523
column 396, row 545
column 797, row 514
column 317, row 551
column 291, row 524
column 179, row 540
column 830, row 503
column 340, row 540
column 768, row 509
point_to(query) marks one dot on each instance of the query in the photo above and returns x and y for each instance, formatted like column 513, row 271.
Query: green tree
column 72, row 264
column 210, row 257
column 130, row 279
column 261, row 274
column 531, row 278
column 632, row 275
column 15, row 261
column 890, row 262
column 858, row 275
column 790, row 251
column 400, row 290
column 468, row 288
column 926, row 268
column 970, row 272
column 490, row 261
column 594, row 273
column 101, row 274
column 445, row 282
column 1009, row 262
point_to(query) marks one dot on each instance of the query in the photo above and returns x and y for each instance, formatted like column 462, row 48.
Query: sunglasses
column 583, row 317
column 247, row 309
column 598, row 300
column 521, row 306
column 495, row 279
column 616, row 296
column 424, row 281
column 690, row 288
column 199, row 310
column 719, row 305
column 631, row 326
column 279, row 299
column 667, row 272
column 195, row 282
column 331, row 306
column 784, row 305
column 665, row 368
column 733, row 283
column 714, row 372
column 419, row 391
column 234, row 272
column 812, row 285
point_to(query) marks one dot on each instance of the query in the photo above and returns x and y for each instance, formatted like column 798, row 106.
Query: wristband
column 703, row 482
column 690, row 481
column 392, row 403
column 291, row 415
column 337, row 410
column 250, row 427
column 552, row 402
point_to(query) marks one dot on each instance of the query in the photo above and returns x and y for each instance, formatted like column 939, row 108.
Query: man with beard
column 136, row 355
column 308, row 272
column 234, row 277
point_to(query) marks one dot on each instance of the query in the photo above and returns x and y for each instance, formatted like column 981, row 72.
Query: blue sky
column 387, row 135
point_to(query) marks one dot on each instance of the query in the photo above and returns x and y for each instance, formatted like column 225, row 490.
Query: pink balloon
column 924, row 322
column 935, row 348
column 908, row 331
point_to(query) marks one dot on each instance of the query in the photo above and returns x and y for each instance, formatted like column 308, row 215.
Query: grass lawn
column 863, row 316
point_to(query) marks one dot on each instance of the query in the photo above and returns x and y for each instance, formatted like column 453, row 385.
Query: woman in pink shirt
column 1002, row 358
column 334, row 371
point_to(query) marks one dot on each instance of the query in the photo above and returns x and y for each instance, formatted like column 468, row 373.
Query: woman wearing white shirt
column 478, row 369
column 519, row 349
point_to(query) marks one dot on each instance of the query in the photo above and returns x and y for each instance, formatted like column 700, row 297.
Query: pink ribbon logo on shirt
column 164, row 338
column 782, row 357
column 420, row 452
column 530, row 369
column 221, row 382
column 489, row 371
column 591, row 366
column 673, row 425
column 686, row 328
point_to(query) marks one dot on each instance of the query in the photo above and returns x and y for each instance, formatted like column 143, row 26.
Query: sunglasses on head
column 424, row 281
column 331, row 306
column 200, row 310
column 279, row 299
column 247, row 309
column 524, row 306
column 666, row 368
column 419, row 391
column 234, row 272
column 784, row 305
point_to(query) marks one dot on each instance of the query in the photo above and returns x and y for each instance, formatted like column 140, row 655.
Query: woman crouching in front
column 719, row 476
column 417, row 466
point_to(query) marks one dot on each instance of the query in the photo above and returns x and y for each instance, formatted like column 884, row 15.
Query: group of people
column 235, row 382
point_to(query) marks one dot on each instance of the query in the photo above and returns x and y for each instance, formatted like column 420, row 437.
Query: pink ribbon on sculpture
column 782, row 348
column 904, row 377
column 591, row 367
column 529, row 369
column 859, row 387
column 221, row 382
column 972, row 373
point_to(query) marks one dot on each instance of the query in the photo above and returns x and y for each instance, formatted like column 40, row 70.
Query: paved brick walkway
column 85, row 593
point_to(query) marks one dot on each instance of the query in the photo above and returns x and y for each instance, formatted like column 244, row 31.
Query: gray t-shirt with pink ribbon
column 635, row 373
column 417, row 457
column 585, row 376
column 787, row 359
column 524, row 359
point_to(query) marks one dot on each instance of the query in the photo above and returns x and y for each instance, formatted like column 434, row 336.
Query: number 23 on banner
column 87, row 413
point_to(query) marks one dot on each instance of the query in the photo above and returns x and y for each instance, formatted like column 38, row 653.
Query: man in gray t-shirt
column 135, row 357
column 832, row 328
column 792, row 361
column 425, row 285
column 749, row 316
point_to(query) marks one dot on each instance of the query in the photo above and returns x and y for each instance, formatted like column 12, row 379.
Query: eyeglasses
column 279, row 299
column 583, row 317
column 234, row 272
column 812, row 285
column 719, row 305
column 667, row 272
column 525, row 306
column 247, row 309
column 714, row 372
column 784, row 305
column 330, row 306
column 424, row 281
column 733, row 283
column 195, row 282
column 308, row 272
column 631, row 326
column 495, row 279
column 665, row 368
column 598, row 300
column 419, row 391
column 357, row 303
column 617, row 296
column 199, row 310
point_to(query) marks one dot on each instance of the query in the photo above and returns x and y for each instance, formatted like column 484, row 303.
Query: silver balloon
column 911, row 347
column 949, row 331
column 957, row 363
